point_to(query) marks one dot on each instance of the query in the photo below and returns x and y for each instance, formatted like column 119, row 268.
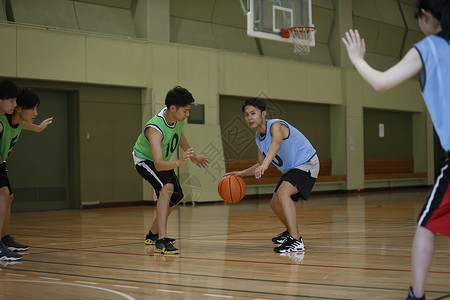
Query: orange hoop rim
column 286, row 32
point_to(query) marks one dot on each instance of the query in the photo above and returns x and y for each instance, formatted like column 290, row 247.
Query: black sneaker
column 12, row 245
column 165, row 246
column 151, row 238
column 411, row 295
column 291, row 245
column 281, row 237
column 6, row 254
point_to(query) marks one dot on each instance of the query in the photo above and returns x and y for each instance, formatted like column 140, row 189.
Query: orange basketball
column 232, row 188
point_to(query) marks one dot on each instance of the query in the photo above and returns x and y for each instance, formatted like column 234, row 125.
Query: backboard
column 265, row 18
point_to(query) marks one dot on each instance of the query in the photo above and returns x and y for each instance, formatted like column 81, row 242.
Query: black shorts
column 435, row 214
column 160, row 178
column 4, row 180
column 302, row 180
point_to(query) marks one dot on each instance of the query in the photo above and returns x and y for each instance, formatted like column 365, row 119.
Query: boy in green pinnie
column 15, row 115
column 152, row 152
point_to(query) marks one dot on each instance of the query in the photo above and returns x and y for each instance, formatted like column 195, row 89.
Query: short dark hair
column 27, row 98
column 179, row 97
column 440, row 9
column 256, row 102
column 8, row 89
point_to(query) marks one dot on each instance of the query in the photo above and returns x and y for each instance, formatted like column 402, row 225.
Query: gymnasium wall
column 136, row 73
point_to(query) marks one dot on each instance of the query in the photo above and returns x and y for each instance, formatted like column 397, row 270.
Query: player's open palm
column 200, row 161
column 45, row 123
column 186, row 156
column 259, row 171
column 356, row 46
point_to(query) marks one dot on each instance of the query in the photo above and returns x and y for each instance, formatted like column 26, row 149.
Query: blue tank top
column 435, row 83
column 294, row 150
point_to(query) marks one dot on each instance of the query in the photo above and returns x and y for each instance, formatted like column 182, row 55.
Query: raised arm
column 38, row 128
column 410, row 65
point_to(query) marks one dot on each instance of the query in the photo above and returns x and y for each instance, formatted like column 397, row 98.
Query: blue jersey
column 294, row 150
column 435, row 83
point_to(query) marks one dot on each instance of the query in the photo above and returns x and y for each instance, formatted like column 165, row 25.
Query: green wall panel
column 398, row 138
column 104, row 19
column 191, row 32
column 54, row 13
column 200, row 10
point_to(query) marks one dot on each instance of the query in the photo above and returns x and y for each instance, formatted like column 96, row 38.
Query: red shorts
column 435, row 214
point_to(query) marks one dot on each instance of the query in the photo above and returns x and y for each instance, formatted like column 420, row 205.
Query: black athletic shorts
column 4, row 180
column 160, row 178
column 302, row 180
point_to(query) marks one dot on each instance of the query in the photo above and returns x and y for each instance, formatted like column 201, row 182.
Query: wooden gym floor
column 357, row 247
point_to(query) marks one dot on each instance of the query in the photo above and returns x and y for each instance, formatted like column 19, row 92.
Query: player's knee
column 282, row 195
column 176, row 198
column 274, row 202
column 5, row 197
column 167, row 190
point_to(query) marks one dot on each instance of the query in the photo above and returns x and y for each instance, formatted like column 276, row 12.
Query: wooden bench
column 272, row 175
column 390, row 168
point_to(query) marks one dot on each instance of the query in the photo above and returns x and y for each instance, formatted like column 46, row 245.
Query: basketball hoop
column 302, row 38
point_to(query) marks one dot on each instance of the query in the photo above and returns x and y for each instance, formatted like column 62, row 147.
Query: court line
column 226, row 277
column 175, row 285
column 170, row 291
column 73, row 284
column 232, row 260
column 126, row 286
column 219, row 296
column 443, row 297
column 86, row 282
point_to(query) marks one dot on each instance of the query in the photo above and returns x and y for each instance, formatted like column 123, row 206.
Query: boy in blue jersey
column 290, row 151
column 430, row 58
column 11, row 125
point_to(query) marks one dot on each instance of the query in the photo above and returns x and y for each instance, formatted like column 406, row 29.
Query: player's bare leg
column 155, row 228
column 422, row 258
column 162, row 210
column 4, row 199
column 284, row 207
column 7, row 215
column 5, row 206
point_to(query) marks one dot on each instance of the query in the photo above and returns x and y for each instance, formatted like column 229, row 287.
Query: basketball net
column 302, row 38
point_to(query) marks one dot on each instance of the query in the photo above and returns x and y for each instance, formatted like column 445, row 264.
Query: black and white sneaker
column 151, row 238
column 12, row 245
column 291, row 245
column 281, row 237
column 165, row 246
column 6, row 254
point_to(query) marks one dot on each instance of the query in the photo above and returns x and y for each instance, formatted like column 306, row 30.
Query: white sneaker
column 291, row 245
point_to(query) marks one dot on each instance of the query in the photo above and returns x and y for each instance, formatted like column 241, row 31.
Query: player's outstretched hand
column 237, row 173
column 45, row 123
column 200, row 161
column 355, row 45
column 186, row 156
column 259, row 171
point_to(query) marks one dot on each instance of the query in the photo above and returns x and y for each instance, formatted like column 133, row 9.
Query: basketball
column 232, row 188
